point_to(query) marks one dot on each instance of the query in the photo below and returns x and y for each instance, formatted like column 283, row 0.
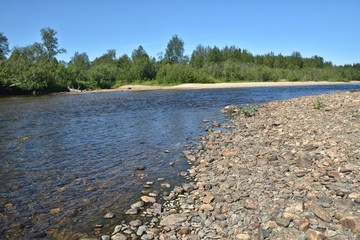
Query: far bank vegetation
column 35, row 68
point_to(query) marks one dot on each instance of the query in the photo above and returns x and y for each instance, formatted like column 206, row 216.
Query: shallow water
column 66, row 160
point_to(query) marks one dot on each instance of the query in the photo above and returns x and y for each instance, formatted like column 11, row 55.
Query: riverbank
column 291, row 171
column 217, row 85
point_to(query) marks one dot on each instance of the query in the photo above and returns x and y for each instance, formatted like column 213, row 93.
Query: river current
column 66, row 160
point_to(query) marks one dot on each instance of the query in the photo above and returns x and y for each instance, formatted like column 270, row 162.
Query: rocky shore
column 289, row 171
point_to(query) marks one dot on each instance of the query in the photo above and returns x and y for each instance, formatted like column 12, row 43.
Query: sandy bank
column 218, row 85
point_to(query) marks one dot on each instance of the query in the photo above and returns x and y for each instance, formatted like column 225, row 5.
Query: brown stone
column 243, row 236
column 261, row 162
column 315, row 235
column 251, row 204
column 228, row 153
column 207, row 199
column 147, row 199
column 55, row 211
column 184, row 231
column 333, row 174
column 173, row 219
column 351, row 222
column 118, row 236
column 303, row 162
column 153, row 231
column 354, row 195
column 321, row 213
column 206, row 207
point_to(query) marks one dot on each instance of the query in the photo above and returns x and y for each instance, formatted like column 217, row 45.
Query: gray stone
column 117, row 229
column 105, row 237
column 135, row 223
column 283, row 222
column 132, row 211
column 141, row 230
column 109, row 215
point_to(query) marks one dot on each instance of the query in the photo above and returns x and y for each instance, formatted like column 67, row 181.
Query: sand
column 218, row 85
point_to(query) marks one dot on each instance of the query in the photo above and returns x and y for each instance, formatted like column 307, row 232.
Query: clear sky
column 327, row 28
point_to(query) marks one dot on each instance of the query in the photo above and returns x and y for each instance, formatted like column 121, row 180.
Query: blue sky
column 326, row 28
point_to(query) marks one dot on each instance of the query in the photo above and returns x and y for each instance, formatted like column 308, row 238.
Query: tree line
column 35, row 68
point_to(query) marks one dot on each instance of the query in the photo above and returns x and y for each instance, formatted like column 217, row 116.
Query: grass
column 248, row 110
column 318, row 104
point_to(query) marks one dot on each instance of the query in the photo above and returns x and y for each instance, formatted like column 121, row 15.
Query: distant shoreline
column 189, row 86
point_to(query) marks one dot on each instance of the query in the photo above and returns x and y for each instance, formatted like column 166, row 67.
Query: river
column 66, row 160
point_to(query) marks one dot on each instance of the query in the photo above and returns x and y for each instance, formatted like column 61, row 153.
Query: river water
column 66, row 160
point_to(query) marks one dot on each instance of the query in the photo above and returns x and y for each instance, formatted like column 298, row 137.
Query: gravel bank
column 291, row 171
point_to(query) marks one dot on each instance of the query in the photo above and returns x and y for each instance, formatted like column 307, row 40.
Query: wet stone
column 109, row 215
column 135, row 223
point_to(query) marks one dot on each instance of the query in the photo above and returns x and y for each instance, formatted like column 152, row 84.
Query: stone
column 315, row 235
column 251, row 204
column 303, row 162
column 263, row 233
column 147, row 237
column 321, row 213
column 220, row 217
column 105, row 237
column 135, row 223
column 55, row 211
column 228, row 153
column 153, row 231
column 138, row 204
column 117, row 229
column 165, row 185
column 333, row 174
column 304, row 226
column 147, row 199
column 242, row 236
column 188, row 187
column 351, row 222
column 283, row 222
column 207, row 199
column 178, row 189
column 118, row 236
column 183, row 231
column 173, row 219
column 109, row 215
column 261, row 162
column 132, row 211
column 206, row 207
column 354, row 195
column 141, row 230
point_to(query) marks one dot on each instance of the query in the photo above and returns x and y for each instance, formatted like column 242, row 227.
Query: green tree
column 143, row 68
column 106, row 58
column 214, row 55
column 78, row 68
column 50, row 42
column 198, row 57
column 4, row 46
column 174, row 52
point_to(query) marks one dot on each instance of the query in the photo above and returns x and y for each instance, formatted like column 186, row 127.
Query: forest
column 34, row 69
